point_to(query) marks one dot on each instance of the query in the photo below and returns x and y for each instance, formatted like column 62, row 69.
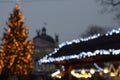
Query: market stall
column 99, row 48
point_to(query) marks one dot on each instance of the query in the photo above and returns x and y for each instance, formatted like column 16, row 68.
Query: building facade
column 43, row 45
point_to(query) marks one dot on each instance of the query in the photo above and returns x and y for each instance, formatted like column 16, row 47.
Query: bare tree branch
column 111, row 6
column 94, row 29
column 111, row 2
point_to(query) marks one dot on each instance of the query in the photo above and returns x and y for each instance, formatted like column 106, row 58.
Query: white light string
column 98, row 69
column 81, row 55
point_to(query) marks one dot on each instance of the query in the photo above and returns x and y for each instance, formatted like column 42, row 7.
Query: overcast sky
column 68, row 18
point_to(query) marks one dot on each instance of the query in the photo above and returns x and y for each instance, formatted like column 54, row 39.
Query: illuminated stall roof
column 97, row 48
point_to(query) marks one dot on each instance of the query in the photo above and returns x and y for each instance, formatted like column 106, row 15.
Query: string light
column 57, row 74
column 106, row 70
column 81, row 55
column 87, row 72
column 83, row 75
column 92, row 70
column 114, row 71
column 83, row 71
column 99, row 69
column 48, row 58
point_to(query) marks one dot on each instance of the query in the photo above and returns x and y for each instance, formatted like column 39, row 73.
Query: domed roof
column 44, row 36
column 47, row 38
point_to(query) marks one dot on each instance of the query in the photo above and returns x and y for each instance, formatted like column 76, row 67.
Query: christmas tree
column 17, row 48
column 1, row 60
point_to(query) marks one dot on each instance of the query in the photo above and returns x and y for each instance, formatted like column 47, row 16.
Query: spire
column 57, row 37
column 38, row 32
column 43, row 31
column 56, row 40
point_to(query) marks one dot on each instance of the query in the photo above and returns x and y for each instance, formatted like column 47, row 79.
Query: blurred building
column 43, row 44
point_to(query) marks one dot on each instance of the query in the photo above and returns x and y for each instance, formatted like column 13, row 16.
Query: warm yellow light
column 101, row 73
column 106, row 70
column 89, row 75
column 8, row 30
column 112, row 74
column 25, row 72
column 86, row 75
column 0, row 67
column 83, row 71
column 28, row 56
column 77, row 75
column 55, row 73
column 58, row 76
column 17, row 7
column 92, row 70
column 72, row 71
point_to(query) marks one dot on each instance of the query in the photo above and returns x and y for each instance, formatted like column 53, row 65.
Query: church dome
column 47, row 38
column 44, row 36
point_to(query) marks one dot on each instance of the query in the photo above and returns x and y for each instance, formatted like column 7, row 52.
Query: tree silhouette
column 111, row 6
column 111, row 2
column 92, row 30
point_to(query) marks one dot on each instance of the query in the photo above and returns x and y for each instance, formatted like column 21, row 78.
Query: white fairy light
column 81, row 55
column 99, row 69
